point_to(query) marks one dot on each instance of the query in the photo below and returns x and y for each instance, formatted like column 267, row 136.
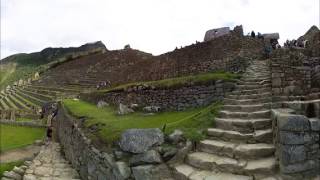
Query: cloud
column 149, row 25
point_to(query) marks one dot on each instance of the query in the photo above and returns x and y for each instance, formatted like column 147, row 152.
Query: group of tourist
column 296, row 43
column 50, row 110
column 103, row 84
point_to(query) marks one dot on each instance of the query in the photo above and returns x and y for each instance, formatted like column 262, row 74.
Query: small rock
column 18, row 170
column 123, row 170
column 149, row 157
column 182, row 153
column 170, row 152
column 12, row 175
column 151, row 109
column 123, row 109
column 176, row 136
column 102, row 104
column 140, row 140
column 27, row 163
column 134, row 106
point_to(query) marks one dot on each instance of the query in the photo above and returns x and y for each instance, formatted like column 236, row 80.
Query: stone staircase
column 240, row 146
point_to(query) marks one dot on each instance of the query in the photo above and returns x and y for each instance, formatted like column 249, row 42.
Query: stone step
column 247, row 108
column 187, row 172
column 229, row 101
column 249, row 87
column 253, row 91
column 256, row 75
column 242, row 125
column 236, row 150
column 245, row 115
column 249, row 96
column 207, row 161
column 255, row 79
column 266, row 166
column 258, row 136
column 240, row 82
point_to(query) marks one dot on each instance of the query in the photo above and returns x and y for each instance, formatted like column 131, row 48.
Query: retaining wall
column 297, row 143
column 167, row 99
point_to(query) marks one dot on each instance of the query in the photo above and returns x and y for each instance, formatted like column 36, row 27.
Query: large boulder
column 149, row 157
column 140, row 140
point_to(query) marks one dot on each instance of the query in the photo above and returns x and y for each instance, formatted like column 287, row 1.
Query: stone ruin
column 214, row 33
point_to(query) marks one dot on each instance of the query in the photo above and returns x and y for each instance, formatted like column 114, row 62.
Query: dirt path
column 19, row 154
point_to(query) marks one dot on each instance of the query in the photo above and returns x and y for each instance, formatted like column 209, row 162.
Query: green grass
column 114, row 125
column 197, row 79
column 8, row 166
column 13, row 137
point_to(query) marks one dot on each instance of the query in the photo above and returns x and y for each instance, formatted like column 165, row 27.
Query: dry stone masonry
column 240, row 146
column 297, row 138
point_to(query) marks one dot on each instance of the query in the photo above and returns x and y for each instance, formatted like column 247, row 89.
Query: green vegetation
column 24, row 66
column 112, row 125
column 197, row 79
column 13, row 137
column 8, row 166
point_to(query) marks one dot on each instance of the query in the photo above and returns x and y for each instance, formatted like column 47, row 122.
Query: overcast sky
column 149, row 25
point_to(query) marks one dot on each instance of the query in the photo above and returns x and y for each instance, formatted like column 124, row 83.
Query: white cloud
column 148, row 25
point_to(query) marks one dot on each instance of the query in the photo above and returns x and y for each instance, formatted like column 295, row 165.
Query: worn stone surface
column 140, row 140
column 50, row 164
column 149, row 157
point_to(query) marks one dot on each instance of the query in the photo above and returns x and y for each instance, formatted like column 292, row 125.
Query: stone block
column 300, row 167
column 276, row 82
column 315, row 124
column 294, row 138
column 290, row 154
column 291, row 122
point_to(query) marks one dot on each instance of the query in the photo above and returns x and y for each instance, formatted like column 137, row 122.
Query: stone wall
column 141, row 153
column 294, row 74
column 297, row 143
column 167, row 99
column 22, row 123
column 85, row 158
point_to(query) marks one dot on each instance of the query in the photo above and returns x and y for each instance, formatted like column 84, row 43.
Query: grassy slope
column 16, row 136
column 23, row 66
column 198, row 118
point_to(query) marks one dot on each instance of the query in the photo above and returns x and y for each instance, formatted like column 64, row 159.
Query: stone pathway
column 50, row 165
column 240, row 146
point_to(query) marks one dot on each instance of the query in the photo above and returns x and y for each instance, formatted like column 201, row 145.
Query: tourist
column 49, row 133
column 253, row 34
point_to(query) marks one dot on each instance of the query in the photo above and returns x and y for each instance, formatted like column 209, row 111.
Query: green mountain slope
column 23, row 66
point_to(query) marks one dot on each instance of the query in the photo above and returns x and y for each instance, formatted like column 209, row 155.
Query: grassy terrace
column 12, row 137
column 197, row 79
column 190, row 121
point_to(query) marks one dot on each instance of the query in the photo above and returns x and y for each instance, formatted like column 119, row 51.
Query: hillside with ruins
column 233, row 107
